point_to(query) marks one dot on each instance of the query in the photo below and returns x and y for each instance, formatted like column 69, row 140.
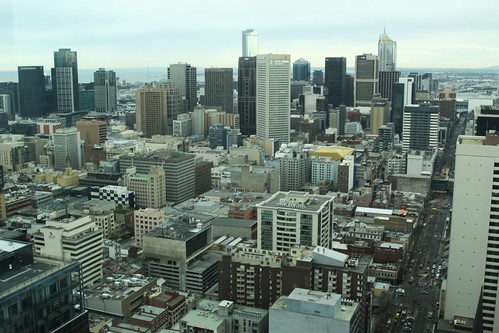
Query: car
column 424, row 292
column 404, row 312
column 400, row 291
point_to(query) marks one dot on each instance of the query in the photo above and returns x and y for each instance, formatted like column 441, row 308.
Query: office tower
column 294, row 164
column 93, row 132
column 220, row 136
column 12, row 155
column 65, row 80
column 151, row 110
column 366, row 79
column 486, row 119
column 387, row 53
column 218, row 88
column 182, row 127
column 150, row 190
column 314, row 311
column 11, row 89
column 308, row 219
column 184, row 78
column 318, row 77
column 350, row 90
column 272, row 97
column 335, row 80
column 420, row 127
column 145, row 220
column 30, row 286
column 5, row 104
column 401, row 96
column 32, row 98
column 246, row 94
column 380, row 113
column 67, row 149
column 179, row 171
column 423, row 82
column 120, row 195
column 385, row 139
column 250, row 43
column 472, row 273
column 385, row 83
column 301, row 70
column 105, row 91
column 75, row 239
column 174, row 106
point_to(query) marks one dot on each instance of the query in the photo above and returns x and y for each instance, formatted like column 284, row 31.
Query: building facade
column 250, row 43
column 65, row 81
column 32, row 96
column 105, row 91
column 387, row 53
column 421, row 127
column 272, row 97
column 149, row 189
column 145, row 220
column 366, row 79
column 67, row 149
column 218, row 88
column 184, row 78
column 335, row 80
column 246, row 94
column 301, row 70
column 151, row 110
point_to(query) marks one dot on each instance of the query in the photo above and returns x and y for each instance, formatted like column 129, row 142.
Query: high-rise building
column 105, row 91
column 31, row 286
column 246, row 94
column 294, row 164
column 387, row 53
column 76, row 239
column 308, row 220
column 150, row 190
column 145, row 220
column 318, row 77
column 272, row 97
column 67, row 149
column 386, row 81
column 93, row 132
column 32, row 97
column 151, row 110
column 401, row 96
column 5, row 104
column 335, row 80
column 384, row 140
column 11, row 89
column 250, row 43
column 218, row 88
column 301, row 70
column 472, row 274
column 65, row 80
column 184, row 78
column 380, row 113
column 421, row 126
column 366, row 79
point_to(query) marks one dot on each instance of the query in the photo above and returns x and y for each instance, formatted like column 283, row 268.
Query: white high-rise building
column 273, row 96
column 473, row 272
column 73, row 240
column 67, row 149
column 387, row 53
column 250, row 43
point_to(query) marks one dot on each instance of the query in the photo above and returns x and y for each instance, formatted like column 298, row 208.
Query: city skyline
column 134, row 35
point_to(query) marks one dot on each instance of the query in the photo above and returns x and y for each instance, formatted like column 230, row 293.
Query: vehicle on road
column 400, row 291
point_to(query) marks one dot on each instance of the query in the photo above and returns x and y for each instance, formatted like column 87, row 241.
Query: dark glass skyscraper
column 396, row 116
column 33, row 103
column 386, row 80
column 65, row 81
column 335, row 80
column 301, row 70
column 246, row 95
column 218, row 88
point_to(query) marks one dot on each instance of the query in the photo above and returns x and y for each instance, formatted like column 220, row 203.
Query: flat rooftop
column 297, row 201
column 178, row 230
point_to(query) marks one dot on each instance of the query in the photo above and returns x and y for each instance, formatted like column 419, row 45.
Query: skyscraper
column 67, row 149
column 33, row 102
column 65, row 80
column 219, row 88
column 335, row 80
column 151, row 110
column 380, row 112
column 272, row 97
column 421, row 125
column 401, row 96
column 386, row 81
column 318, row 77
column 105, row 91
column 472, row 274
column 366, row 79
column 246, row 94
column 301, row 70
column 184, row 78
column 387, row 53
column 250, row 43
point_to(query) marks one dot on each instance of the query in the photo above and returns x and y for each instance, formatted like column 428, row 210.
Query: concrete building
column 151, row 110
column 380, row 113
column 67, row 149
column 93, row 132
column 306, row 310
column 179, row 171
column 218, row 88
column 149, row 189
column 184, row 78
column 75, row 239
column 420, row 127
column 12, row 155
column 224, row 317
column 250, row 43
column 145, row 220
column 105, row 91
column 273, row 97
column 65, row 85
column 29, row 286
column 294, row 164
column 308, row 219
column 472, row 273
column 366, row 79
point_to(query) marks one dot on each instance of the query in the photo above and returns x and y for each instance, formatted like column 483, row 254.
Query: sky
column 154, row 33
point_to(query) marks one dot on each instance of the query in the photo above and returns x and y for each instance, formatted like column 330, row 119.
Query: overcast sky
column 120, row 34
